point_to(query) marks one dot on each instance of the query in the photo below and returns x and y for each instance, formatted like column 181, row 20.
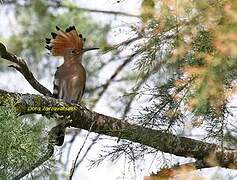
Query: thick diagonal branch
column 83, row 118
column 21, row 66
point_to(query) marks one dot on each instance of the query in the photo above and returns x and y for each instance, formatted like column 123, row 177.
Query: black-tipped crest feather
column 47, row 40
column 57, row 28
column 53, row 35
column 70, row 28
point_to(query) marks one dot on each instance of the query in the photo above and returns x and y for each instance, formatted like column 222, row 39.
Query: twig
column 106, row 12
column 131, row 98
column 70, row 146
column 21, row 66
column 74, row 163
column 88, row 149
column 119, row 69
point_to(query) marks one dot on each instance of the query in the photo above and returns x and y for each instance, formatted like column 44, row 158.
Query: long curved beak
column 90, row 49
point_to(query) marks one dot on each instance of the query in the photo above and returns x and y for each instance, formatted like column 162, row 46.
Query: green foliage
column 148, row 10
column 201, row 47
column 164, row 112
column 193, row 45
column 203, row 42
column 22, row 142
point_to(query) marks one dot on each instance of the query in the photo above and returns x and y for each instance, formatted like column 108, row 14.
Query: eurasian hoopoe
column 70, row 77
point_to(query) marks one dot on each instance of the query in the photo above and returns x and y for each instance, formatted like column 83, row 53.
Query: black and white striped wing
column 56, row 84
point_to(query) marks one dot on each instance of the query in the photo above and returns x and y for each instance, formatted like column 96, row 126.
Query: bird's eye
column 73, row 51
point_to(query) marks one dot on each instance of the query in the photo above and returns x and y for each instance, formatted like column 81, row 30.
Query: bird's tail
column 57, row 135
column 64, row 41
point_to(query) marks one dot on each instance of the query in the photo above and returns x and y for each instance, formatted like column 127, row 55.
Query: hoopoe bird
column 70, row 77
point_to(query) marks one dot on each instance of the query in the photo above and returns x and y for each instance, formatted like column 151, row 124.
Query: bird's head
column 77, row 54
column 68, row 43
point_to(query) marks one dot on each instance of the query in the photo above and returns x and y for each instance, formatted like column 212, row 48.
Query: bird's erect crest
column 65, row 41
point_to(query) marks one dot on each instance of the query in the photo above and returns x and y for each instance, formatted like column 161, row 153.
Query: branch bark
column 83, row 118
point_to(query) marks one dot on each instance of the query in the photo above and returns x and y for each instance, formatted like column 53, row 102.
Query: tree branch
column 82, row 118
column 21, row 66
column 113, row 76
column 105, row 12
